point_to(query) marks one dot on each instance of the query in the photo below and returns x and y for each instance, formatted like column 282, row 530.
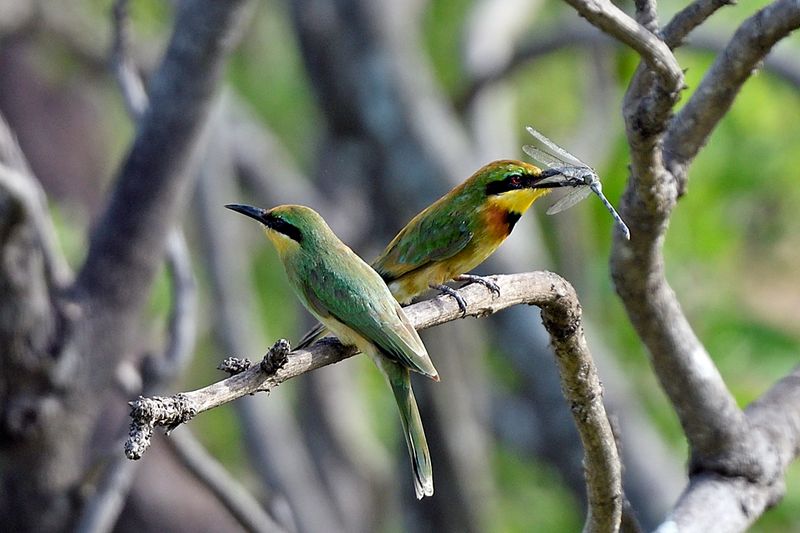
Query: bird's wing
column 367, row 307
column 425, row 240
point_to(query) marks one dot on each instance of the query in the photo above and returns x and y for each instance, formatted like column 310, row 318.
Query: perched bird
column 354, row 303
column 458, row 232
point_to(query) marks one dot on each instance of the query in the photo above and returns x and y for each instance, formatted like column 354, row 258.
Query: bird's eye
column 515, row 180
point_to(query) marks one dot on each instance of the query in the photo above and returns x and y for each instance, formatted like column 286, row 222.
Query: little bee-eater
column 352, row 301
column 460, row 230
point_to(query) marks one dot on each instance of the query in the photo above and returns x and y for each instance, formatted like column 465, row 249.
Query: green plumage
column 434, row 239
column 437, row 233
column 354, row 303
column 335, row 284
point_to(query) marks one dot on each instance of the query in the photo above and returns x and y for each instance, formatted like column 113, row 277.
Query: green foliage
column 532, row 493
column 277, row 303
column 267, row 71
column 442, row 23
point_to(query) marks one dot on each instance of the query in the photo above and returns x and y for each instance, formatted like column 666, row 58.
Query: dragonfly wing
column 571, row 198
column 555, row 149
column 540, row 156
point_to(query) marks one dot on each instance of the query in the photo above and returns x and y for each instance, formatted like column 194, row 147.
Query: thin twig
column 688, row 18
column 128, row 79
column 246, row 509
column 182, row 327
column 566, row 34
column 23, row 185
column 783, row 65
column 101, row 511
column 561, row 314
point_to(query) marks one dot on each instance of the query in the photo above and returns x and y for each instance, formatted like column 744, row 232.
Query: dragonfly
column 579, row 175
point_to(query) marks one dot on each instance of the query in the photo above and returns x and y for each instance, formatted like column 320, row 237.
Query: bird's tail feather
column 413, row 431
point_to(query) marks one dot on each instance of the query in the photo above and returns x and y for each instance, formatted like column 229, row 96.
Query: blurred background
column 367, row 112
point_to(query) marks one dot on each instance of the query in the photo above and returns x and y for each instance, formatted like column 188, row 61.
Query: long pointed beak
column 249, row 211
column 550, row 178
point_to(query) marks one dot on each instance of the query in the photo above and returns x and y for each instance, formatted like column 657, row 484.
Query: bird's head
column 512, row 185
column 287, row 226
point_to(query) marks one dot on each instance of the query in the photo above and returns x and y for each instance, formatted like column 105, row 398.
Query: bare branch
column 753, row 40
column 782, row 64
column 561, row 315
column 709, row 414
column 246, row 509
column 127, row 244
column 564, row 35
column 610, row 19
column 128, row 78
column 688, row 18
column 20, row 183
column 101, row 512
column 182, row 327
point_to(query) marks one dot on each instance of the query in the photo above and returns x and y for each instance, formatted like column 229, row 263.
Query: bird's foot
column 444, row 289
column 486, row 282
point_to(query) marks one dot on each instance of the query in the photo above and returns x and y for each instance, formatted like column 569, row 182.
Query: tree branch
column 561, row 315
column 613, row 21
column 688, row 18
column 720, row 435
column 244, row 507
column 127, row 244
column 128, row 79
column 564, row 35
column 753, row 40
column 21, row 184
column 782, row 64
column 710, row 417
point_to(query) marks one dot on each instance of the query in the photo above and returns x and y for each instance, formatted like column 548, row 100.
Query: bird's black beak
column 250, row 211
column 550, row 178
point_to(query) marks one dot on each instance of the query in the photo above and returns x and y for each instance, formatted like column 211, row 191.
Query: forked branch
column 654, row 52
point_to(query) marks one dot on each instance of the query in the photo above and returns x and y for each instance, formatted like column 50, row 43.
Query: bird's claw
column 444, row 289
column 486, row 282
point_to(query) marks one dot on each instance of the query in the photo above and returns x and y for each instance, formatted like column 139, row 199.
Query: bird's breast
column 498, row 223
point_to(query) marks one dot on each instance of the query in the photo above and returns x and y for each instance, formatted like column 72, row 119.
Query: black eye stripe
column 509, row 183
column 281, row 226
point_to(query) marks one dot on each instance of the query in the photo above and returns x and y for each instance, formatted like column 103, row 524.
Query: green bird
column 352, row 301
column 460, row 230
